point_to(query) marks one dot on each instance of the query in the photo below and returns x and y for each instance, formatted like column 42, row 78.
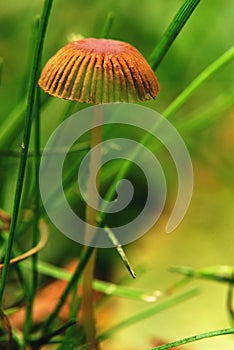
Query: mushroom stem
column 91, row 218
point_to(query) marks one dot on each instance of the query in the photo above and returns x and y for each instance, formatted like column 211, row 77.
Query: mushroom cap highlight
column 99, row 71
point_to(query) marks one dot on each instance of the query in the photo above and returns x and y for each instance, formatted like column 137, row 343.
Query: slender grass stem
column 107, row 25
column 36, row 233
column 198, row 81
column 32, row 288
column 37, row 344
column 172, row 32
column 84, row 258
column 26, row 138
column 195, row 338
column 74, row 308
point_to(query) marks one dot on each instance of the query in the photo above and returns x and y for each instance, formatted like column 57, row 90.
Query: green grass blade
column 36, row 233
column 84, row 258
column 101, row 286
column 159, row 307
column 172, row 32
column 38, row 343
column 198, row 81
column 221, row 273
column 26, row 139
column 195, row 338
column 120, row 251
column 107, row 25
column 126, row 292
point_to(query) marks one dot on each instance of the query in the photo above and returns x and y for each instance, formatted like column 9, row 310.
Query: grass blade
column 221, row 273
column 198, row 81
column 120, row 251
column 172, row 32
column 195, row 338
column 84, row 258
column 101, row 286
column 107, row 25
column 36, row 230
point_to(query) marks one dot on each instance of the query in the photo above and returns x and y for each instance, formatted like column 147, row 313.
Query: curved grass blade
column 195, row 338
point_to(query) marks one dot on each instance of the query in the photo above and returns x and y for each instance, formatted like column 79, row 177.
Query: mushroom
column 99, row 71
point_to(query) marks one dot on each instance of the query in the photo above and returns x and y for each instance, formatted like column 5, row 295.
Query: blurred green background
column 205, row 237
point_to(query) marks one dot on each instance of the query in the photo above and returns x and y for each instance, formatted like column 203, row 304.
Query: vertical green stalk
column 84, row 258
column 107, row 25
column 36, row 210
column 26, row 138
column 72, row 336
column 172, row 31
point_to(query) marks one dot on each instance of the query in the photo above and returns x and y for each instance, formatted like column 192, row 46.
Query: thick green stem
column 172, row 31
column 26, row 139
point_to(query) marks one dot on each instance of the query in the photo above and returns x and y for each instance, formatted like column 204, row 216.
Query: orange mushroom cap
column 99, row 71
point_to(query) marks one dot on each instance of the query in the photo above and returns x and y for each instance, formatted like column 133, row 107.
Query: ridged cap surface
column 99, row 71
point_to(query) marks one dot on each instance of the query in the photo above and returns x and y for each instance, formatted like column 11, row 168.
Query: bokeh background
column 205, row 237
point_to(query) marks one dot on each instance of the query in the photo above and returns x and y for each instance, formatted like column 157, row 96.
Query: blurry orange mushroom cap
column 99, row 71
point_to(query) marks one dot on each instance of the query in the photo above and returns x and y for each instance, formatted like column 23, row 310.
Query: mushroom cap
column 99, row 71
